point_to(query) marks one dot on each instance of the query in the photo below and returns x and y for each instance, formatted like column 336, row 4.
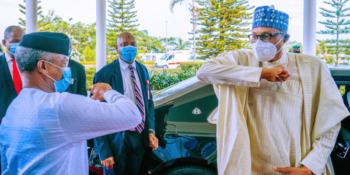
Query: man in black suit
column 10, row 79
column 130, row 78
column 78, row 82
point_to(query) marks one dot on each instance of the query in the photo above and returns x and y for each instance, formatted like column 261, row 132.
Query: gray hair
column 27, row 58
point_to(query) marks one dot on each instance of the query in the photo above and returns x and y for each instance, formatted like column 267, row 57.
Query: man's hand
column 276, row 74
column 153, row 141
column 294, row 170
column 108, row 163
column 98, row 90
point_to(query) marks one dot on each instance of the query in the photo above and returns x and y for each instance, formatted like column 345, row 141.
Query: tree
column 122, row 19
column 223, row 28
column 338, row 27
column 180, row 44
column 194, row 12
column 22, row 22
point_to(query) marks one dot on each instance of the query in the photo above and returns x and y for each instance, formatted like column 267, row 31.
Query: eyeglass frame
column 270, row 35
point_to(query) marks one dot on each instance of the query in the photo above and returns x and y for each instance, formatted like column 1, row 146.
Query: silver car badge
column 196, row 111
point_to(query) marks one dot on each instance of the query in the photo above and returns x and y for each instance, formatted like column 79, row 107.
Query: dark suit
column 78, row 82
column 118, row 144
column 8, row 91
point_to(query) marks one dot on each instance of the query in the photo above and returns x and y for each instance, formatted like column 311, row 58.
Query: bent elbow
column 202, row 74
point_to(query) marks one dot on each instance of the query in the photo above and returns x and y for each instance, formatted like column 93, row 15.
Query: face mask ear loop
column 50, row 77
column 279, row 42
column 54, row 65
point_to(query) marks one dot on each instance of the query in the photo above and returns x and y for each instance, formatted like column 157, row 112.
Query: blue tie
column 139, row 101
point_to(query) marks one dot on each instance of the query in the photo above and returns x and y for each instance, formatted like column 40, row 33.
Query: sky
column 153, row 14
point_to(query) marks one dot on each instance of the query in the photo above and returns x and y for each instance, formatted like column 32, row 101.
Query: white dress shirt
column 128, row 84
column 46, row 133
column 9, row 63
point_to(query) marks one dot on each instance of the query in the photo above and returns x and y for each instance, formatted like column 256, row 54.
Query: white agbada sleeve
column 226, row 69
column 82, row 118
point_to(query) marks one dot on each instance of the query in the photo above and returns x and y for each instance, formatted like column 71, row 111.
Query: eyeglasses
column 264, row 37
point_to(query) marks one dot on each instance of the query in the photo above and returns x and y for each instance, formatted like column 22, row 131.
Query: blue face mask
column 128, row 53
column 13, row 48
column 62, row 84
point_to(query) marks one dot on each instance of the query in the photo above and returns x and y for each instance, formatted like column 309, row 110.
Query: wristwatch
column 151, row 131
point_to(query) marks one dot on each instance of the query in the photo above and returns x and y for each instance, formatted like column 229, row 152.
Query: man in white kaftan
column 44, row 130
column 279, row 110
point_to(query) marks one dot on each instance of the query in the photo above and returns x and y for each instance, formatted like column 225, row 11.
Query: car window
column 170, row 58
column 164, row 57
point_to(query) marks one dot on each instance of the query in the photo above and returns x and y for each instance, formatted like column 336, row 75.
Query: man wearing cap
column 44, row 130
column 278, row 112
column 296, row 49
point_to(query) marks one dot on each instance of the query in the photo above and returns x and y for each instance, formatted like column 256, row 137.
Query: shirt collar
column 8, row 57
column 124, row 65
column 282, row 61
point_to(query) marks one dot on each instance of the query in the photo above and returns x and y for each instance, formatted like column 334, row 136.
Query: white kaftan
column 274, row 120
column 46, row 133
column 236, row 79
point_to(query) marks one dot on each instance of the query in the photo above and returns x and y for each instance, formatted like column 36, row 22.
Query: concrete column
column 31, row 16
column 100, row 34
column 309, row 36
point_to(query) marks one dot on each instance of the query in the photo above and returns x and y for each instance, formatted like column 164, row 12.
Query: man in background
column 296, row 49
column 78, row 82
column 10, row 79
column 128, row 77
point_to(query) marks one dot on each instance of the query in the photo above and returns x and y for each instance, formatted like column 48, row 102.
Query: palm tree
column 193, row 10
column 180, row 44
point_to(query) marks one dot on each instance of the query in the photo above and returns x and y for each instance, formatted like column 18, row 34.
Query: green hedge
column 167, row 77
column 149, row 62
column 89, row 77
column 190, row 66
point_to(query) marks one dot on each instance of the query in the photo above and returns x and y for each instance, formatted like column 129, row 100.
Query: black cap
column 47, row 41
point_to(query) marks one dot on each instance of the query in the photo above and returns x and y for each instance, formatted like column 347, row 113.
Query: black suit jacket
column 8, row 91
column 78, row 82
column 111, row 145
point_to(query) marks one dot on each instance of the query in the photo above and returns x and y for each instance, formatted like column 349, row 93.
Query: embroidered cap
column 266, row 16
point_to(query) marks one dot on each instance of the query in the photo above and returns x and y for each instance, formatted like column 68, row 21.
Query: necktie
column 139, row 101
column 17, row 81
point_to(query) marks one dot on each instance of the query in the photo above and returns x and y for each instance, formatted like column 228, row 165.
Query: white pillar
column 31, row 16
column 100, row 34
column 309, row 36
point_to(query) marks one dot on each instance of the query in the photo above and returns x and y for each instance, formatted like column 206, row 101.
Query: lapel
column 142, row 77
column 118, row 83
column 6, row 71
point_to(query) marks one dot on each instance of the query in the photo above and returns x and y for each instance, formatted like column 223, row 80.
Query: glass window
column 171, row 57
column 164, row 57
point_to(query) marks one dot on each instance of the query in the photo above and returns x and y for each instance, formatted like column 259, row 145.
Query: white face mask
column 265, row 51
